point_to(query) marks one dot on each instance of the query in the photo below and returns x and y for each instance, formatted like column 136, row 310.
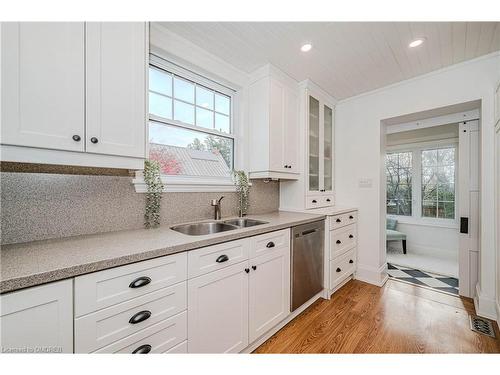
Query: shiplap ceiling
column 347, row 58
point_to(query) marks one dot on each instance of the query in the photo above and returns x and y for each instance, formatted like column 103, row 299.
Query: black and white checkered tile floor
column 431, row 280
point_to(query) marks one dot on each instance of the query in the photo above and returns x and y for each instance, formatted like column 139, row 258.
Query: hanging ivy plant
column 242, row 184
column 153, row 195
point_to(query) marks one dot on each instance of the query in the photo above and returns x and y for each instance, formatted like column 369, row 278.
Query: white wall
column 441, row 242
column 360, row 149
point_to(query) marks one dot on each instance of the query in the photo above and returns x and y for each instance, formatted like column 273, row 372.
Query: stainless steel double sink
column 210, row 227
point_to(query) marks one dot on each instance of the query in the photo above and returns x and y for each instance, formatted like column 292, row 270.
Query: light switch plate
column 365, row 183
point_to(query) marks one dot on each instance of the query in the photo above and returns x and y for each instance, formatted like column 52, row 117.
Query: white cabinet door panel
column 218, row 311
column 116, row 72
column 269, row 298
column 42, row 89
column 38, row 319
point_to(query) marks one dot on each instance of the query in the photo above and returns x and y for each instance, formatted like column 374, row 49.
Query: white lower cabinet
column 231, row 308
column 152, row 306
column 269, row 299
column 38, row 319
column 218, row 311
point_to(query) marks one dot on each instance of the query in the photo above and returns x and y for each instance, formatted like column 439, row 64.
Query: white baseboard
column 372, row 275
column 283, row 323
column 485, row 307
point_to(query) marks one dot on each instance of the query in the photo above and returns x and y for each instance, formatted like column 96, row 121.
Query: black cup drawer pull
column 339, row 242
column 143, row 349
column 140, row 281
column 338, row 221
column 140, row 317
column 223, row 258
column 351, row 261
column 328, row 199
column 338, row 269
column 270, row 244
column 351, row 217
column 351, row 236
column 314, row 201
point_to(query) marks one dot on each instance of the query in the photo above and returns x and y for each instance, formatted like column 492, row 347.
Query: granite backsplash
column 38, row 206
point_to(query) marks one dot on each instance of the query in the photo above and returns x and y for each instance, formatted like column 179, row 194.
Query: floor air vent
column 481, row 325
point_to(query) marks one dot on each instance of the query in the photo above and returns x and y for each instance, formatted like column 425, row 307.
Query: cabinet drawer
column 216, row 257
column 337, row 221
column 96, row 330
column 102, row 289
column 342, row 239
column 181, row 348
column 266, row 243
column 158, row 338
column 319, row 200
column 342, row 267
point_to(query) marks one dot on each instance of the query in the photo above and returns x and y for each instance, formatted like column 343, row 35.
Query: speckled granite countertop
column 40, row 262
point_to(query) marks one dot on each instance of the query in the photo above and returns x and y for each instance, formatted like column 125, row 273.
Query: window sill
column 440, row 223
column 187, row 184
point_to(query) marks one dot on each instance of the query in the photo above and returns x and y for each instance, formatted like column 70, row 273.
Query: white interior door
column 468, row 207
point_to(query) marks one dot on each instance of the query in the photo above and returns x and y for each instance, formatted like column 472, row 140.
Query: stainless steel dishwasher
column 307, row 262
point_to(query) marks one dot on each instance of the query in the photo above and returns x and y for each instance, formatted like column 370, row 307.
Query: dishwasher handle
column 307, row 232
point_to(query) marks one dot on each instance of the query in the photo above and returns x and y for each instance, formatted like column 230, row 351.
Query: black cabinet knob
column 351, row 217
column 289, row 166
column 338, row 220
column 94, row 140
column 254, row 267
column 338, row 241
column 328, row 199
column 270, row 244
column 76, row 138
column 286, row 166
column 338, row 270
column 247, row 270
column 140, row 282
column 140, row 317
column 223, row 258
column 351, row 236
column 143, row 349
column 351, row 261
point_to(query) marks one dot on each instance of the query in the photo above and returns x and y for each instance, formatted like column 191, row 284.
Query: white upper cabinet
column 116, row 88
column 74, row 93
column 273, row 125
column 320, row 144
column 315, row 187
column 43, row 84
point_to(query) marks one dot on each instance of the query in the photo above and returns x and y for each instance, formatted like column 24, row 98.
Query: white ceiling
column 347, row 58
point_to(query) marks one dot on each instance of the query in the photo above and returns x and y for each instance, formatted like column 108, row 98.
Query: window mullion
column 417, row 183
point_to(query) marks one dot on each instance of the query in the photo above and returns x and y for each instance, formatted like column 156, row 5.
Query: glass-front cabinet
column 320, row 145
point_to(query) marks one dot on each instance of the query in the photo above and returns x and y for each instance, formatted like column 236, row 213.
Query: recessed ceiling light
column 306, row 47
column 416, row 42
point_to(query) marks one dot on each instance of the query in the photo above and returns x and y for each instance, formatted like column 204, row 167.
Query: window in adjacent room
column 438, row 183
column 399, row 183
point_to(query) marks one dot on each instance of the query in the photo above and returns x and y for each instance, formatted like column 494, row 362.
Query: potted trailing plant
column 242, row 184
column 153, row 195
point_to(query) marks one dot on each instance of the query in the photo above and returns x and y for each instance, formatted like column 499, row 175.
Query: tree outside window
column 399, row 183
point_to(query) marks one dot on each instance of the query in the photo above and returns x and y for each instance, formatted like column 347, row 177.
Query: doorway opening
column 432, row 198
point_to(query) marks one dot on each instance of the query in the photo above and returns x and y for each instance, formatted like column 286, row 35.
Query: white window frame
column 186, row 183
column 416, row 150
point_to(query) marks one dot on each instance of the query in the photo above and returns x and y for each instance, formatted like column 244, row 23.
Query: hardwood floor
column 397, row 318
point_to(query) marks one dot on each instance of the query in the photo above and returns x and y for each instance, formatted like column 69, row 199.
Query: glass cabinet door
column 314, row 144
column 328, row 148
